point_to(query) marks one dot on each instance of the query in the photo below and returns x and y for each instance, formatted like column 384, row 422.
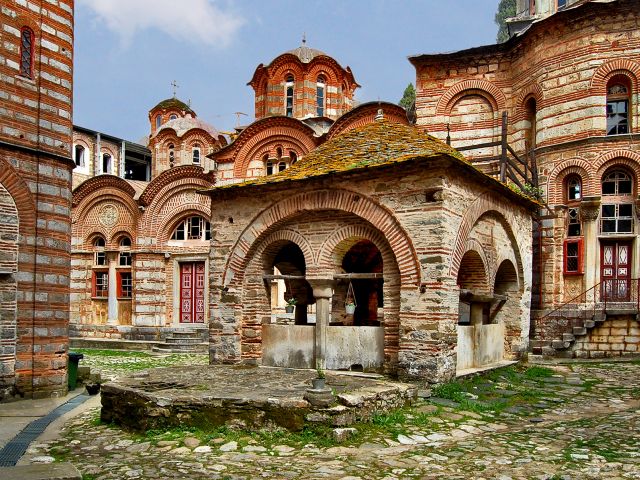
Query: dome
column 306, row 54
column 183, row 125
column 173, row 102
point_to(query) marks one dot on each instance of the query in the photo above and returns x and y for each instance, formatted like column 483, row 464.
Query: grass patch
column 538, row 372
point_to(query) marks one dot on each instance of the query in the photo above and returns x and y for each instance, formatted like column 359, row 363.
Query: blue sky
column 127, row 52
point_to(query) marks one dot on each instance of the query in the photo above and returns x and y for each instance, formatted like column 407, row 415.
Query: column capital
column 322, row 287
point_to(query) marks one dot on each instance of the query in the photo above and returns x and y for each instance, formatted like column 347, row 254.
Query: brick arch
column 343, row 200
column 329, row 70
column 22, row 197
column 485, row 204
column 168, row 224
column 95, row 233
column 624, row 158
column 122, row 232
column 184, row 174
column 477, row 87
column 272, row 128
column 289, row 236
column 475, row 246
column 85, row 202
column 555, row 182
column 85, row 216
column 158, row 217
column 622, row 66
column 268, row 146
column 364, row 114
column 326, row 255
column 532, row 90
column 100, row 183
column 476, row 273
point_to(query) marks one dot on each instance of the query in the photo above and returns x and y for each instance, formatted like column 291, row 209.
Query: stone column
column 322, row 291
column 589, row 212
column 112, row 310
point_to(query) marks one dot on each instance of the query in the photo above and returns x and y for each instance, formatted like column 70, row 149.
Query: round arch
column 573, row 166
column 478, row 87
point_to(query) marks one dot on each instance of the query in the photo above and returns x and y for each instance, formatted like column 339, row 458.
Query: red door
column 192, row 292
column 615, row 270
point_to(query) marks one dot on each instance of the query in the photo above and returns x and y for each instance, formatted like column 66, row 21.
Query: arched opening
column 289, row 94
column 78, row 154
column 366, row 294
column 9, row 223
column 285, row 261
column 320, row 95
column 106, row 163
column 531, row 109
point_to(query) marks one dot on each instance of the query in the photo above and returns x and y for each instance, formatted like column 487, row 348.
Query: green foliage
column 408, row 97
column 538, row 372
column 506, row 9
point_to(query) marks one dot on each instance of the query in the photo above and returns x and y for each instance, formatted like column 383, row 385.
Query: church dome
column 306, row 54
column 173, row 103
column 184, row 124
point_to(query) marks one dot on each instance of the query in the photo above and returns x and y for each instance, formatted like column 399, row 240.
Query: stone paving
column 580, row 423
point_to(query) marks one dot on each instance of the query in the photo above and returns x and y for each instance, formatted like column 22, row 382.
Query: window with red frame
column 100, row 283
column 125, row 284
column 573, row 256
column 26, row 52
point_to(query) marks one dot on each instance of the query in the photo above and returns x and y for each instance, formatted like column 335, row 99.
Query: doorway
column 192, row 281
column 615, row 270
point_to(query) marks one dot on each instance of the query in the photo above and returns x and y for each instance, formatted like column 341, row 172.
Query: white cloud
column 195, row 21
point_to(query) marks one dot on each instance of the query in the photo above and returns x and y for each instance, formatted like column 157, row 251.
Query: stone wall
column 35, row 161
column 618, row 335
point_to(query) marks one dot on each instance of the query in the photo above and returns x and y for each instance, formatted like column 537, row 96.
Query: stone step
column 589, row 323
column 579, row 331
column 187, row 334
column 560, row 344
column 568, row 337
column 183, row 341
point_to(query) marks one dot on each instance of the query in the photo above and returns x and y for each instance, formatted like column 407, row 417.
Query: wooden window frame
column 580, row 242
column 122, row 293
column 94, row 283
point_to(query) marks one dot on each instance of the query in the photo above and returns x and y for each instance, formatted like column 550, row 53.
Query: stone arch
column 326, row 255
column 487, row 203
column 22, row 198
column 625, row 158
column 555, row 182
column 342, row 200
column 478, row 87
column 623, row 66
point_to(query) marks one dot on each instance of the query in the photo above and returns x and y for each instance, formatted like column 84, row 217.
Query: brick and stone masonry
column 36, row 63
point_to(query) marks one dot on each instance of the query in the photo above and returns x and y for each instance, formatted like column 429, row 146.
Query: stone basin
column 249, row 397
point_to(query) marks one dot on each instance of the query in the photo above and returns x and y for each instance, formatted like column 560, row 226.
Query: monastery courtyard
column 571, row 421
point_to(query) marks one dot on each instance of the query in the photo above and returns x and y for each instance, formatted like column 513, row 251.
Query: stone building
column 568, row 82
column 389, row 219
column 36, row 66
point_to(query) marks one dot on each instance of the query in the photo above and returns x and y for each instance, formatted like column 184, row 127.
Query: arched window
column 78, row 152
column 124, row 276
column 158, row 121
column 282, row 166
column 617, row 182
column 618, row 94
column 616, row 215
column 106, row 163
column 530, row 133
column 574, row 188
column 289, row 92
column 279, row 152
column 320, row 91
column 173, row 116
column 562, row 4
column 100, row 257
column 293, row 157
column 172, row 155
column 196, row 154
column 193, row 228
column 26, row 52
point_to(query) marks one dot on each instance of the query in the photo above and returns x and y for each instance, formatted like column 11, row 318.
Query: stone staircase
column 578, row 316
column 188, row 340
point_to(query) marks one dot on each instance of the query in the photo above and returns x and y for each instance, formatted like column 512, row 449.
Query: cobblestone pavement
column 580, row 423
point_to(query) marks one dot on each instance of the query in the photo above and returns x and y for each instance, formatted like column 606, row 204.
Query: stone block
column 50, row 471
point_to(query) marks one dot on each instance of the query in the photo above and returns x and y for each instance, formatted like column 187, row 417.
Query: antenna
column 237, row 114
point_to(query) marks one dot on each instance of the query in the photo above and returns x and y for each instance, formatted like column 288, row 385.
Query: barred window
column 100, row 283
column 26, row 52
column 125, row 284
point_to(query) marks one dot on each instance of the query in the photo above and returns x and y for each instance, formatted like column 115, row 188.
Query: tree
column 408, row 97
column 506, row 9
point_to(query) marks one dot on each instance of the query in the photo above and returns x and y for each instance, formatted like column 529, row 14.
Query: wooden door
column 615, row 270
column 192, row 292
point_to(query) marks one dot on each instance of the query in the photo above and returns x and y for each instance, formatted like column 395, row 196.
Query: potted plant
column 350, row 305
column 291, row 303
column 319, row 382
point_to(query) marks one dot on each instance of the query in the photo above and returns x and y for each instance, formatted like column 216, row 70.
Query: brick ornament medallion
column 109, row 215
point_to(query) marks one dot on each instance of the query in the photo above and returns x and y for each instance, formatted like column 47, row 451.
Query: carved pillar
column 589, row 212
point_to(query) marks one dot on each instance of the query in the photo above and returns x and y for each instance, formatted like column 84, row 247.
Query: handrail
column 584, row 293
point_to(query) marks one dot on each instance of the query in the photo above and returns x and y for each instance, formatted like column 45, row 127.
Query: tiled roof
column 377, row 144
column 371, row 145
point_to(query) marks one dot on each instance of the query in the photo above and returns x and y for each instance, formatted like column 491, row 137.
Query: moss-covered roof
column 173, row 103
column 377, row 144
